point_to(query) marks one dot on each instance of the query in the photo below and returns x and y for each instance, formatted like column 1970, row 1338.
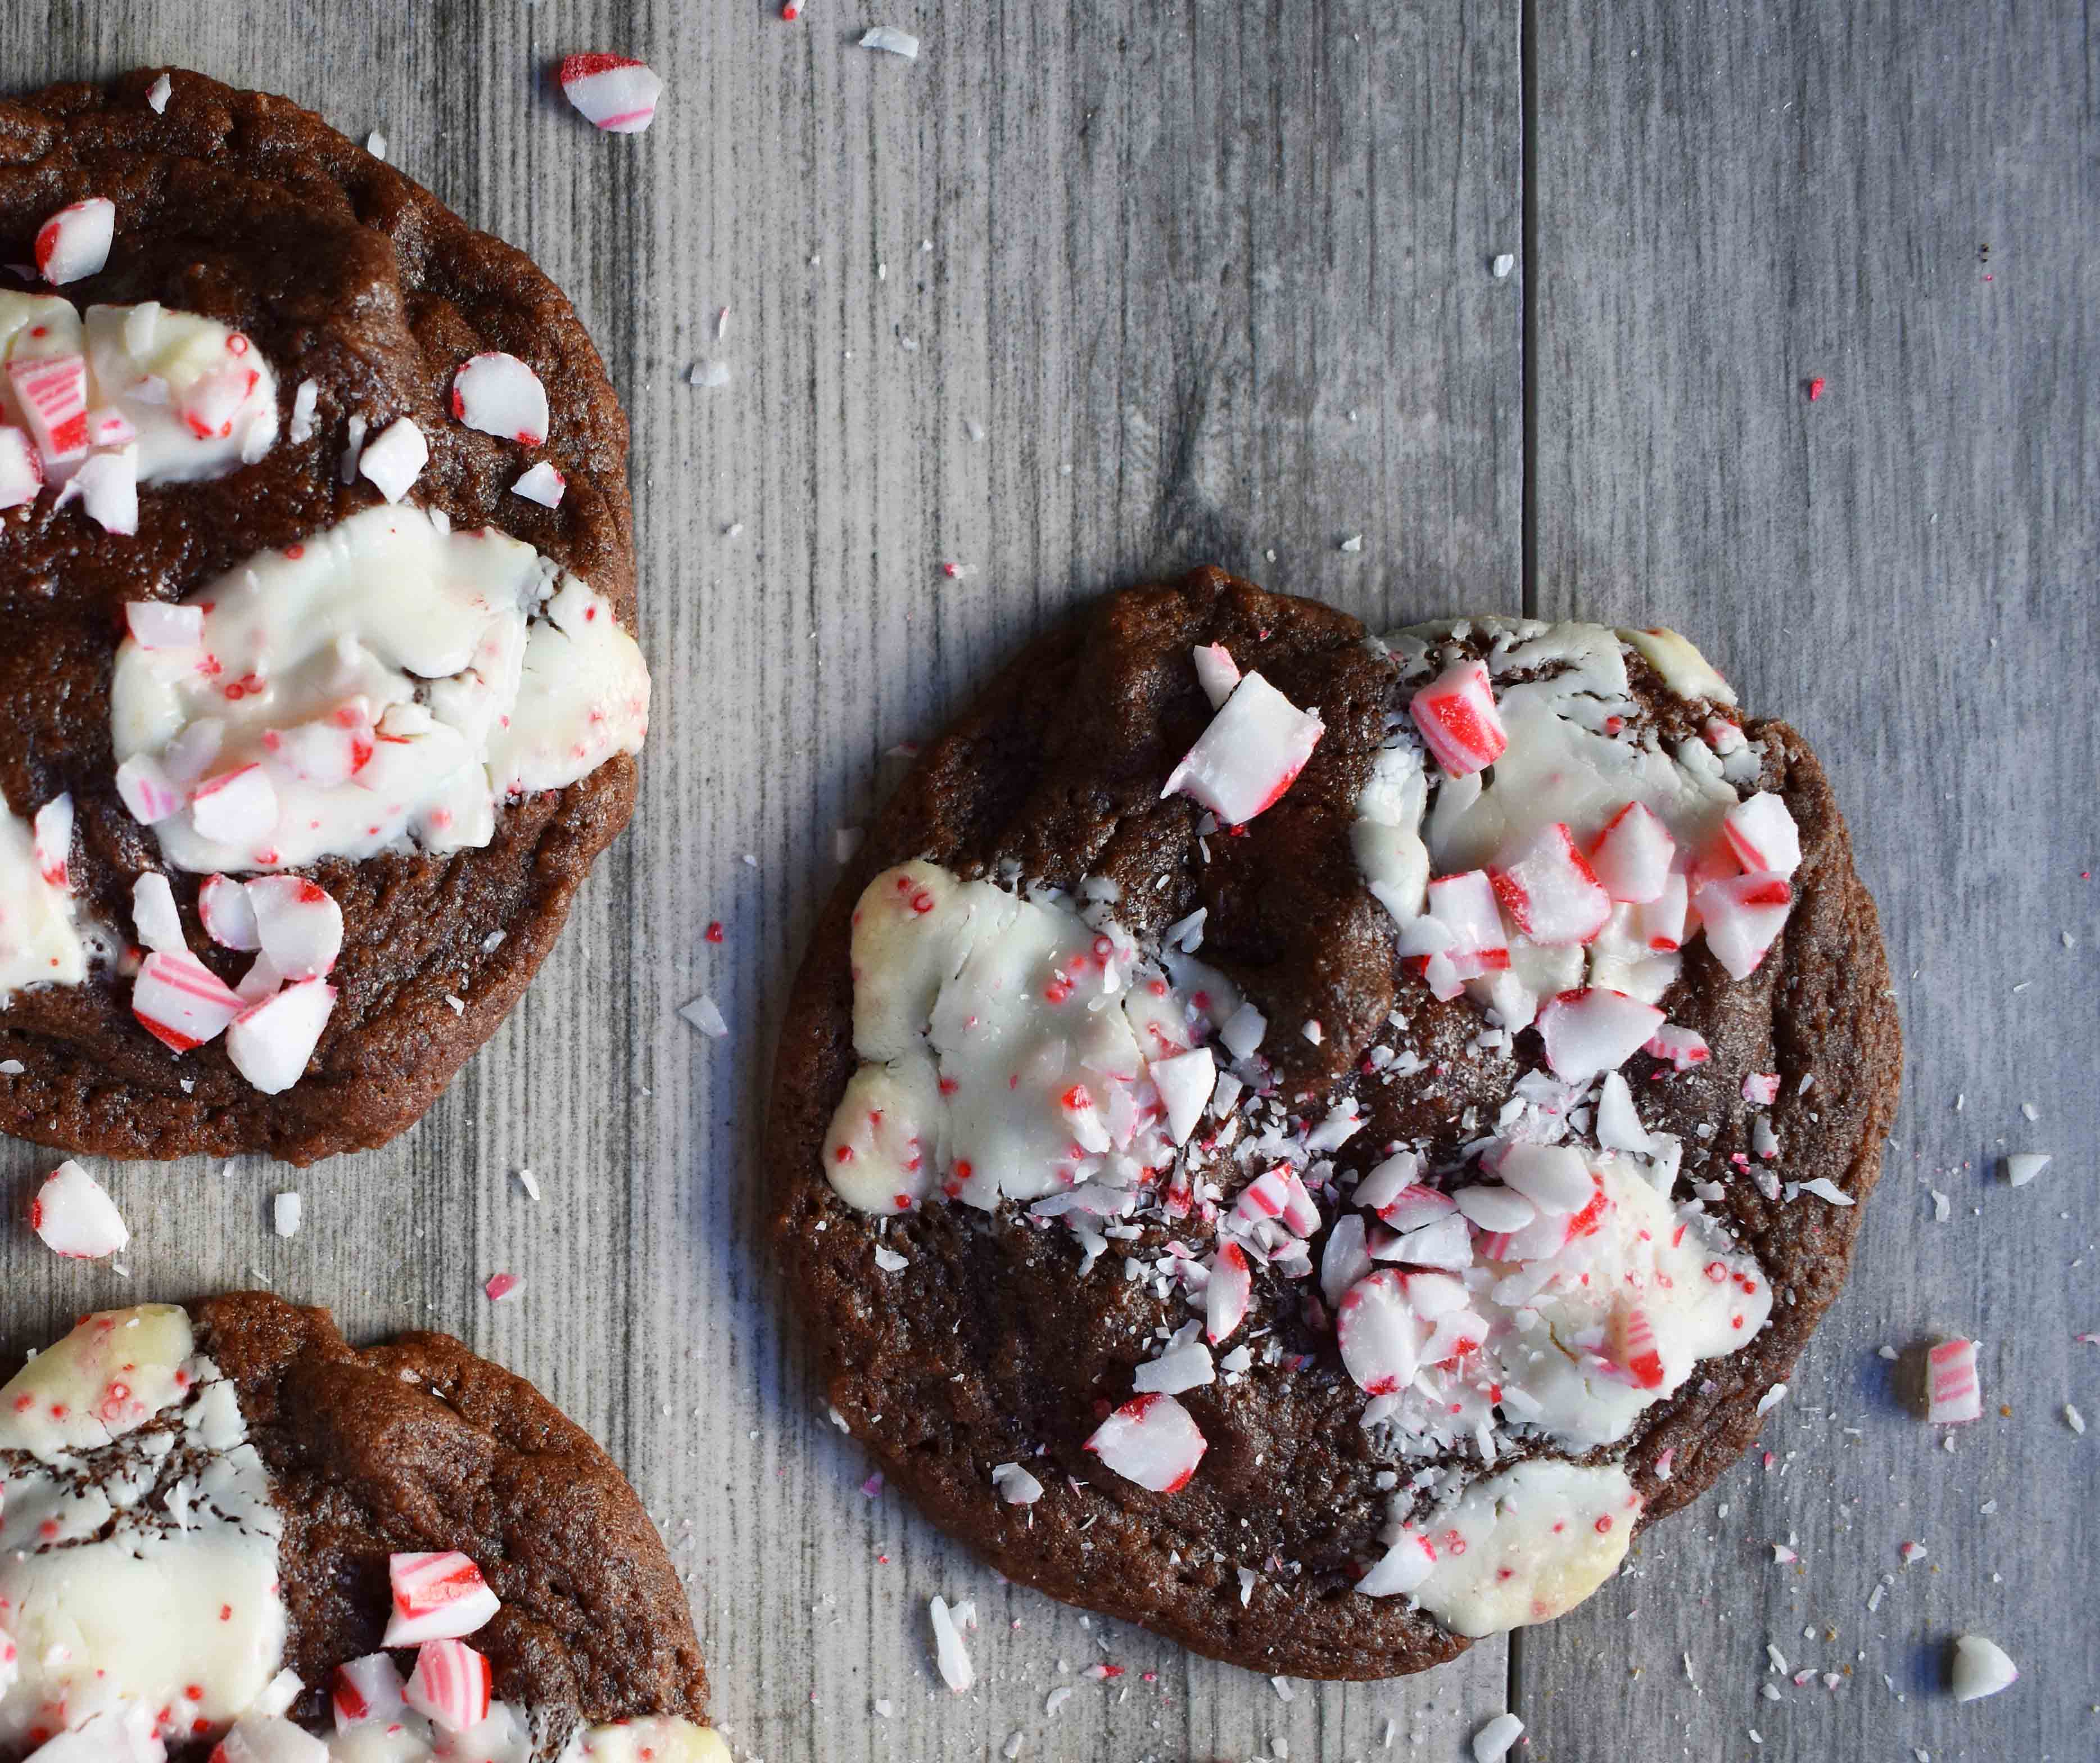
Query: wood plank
column 1206, row 283
column 1731, row 202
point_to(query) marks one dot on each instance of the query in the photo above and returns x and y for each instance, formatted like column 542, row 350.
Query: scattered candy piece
column 1594, row 1031
column 1954, row 1393
column 949, row 1652
column 1216, row 672
column 1409, row 1561
column 2024, row 1166
column 1761, row 831
column 269, row 1043
column 1761, row 1088
column 1743, row 916
column 289, row 1211
column 1630, row 858
column 157, row 625
column 1824, row 1188
column 1016, row 1486
column 1815, row 388
column 1152, row 1441
column 1459, row 723
column 499, row 394
column 893, row 40
column 157, row 95
column 52, row 392
column 706, row 1015
column 616, row 92
column 503, row 1287
column 1550, row 893
column 439, row 1596
column 154, row 914
column 395, row 459
column 107, row 486
column 541, row 484
column 450, row 1684
column 1249, row 755
column 2073, row 1419
column 76, row 1217
column 228, row 914
column 236, row 807
column 1982, row 1668
column 1226, row 1296
column 1492, row 1743
column 75, row 241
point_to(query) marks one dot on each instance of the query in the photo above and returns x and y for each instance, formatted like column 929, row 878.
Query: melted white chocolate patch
column 1527, row 1545
column 41, row 942
column 391, row 681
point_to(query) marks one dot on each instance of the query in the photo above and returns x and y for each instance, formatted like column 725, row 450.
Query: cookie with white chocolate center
column 1310, row 1143
column 321, row 695
column 224, row 1526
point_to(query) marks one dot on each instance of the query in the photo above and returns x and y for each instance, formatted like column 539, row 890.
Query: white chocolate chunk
column 115, row 1372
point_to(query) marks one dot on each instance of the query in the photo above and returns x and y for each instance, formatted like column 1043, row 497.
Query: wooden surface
column 1210, row 283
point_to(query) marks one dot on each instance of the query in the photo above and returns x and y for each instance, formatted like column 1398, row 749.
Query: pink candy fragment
column 1678, row 1045
column 1226, row 1297
column 1464, row 904
column 367, row 1690
column 180, row 1002
column 1761, row 1088
column 1953, row 1394
column 616, row 92
column 52, row 392
column 451, row 1685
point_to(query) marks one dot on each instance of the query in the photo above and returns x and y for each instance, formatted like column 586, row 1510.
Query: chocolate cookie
column 1308, row 1143
column 317, row 553
column 221, row 1518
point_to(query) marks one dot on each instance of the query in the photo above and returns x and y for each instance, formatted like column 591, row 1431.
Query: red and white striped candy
column 328, row 752
column 1630, row 858
column 236, row 807
column 1659, row 924
column 210, row 403
column 52, row 391
column 1742, row 916
column 161, row 625
column 51, row 840
column 153, row 915
column 109, row 426
column 1761, row 1088
column 147, row 791
column 1380, row 1333
column 1152, row 1441
column 75, row 1217
column 180, row 1002
column 75, row 241
column 1465, row 905
column 1301, row 1212
column 437, row 1596
column 367, row 1690
column 1953, row 1394
column 499, row 394
column 616, row 92
column 1594, row 1030
column 228, row 914
column 1682, row 1047
column 1550, row 892
column 1409, row 1562
column 1459, row 723
column 541, row 484
column 269, row 1043
column 451, row 1685
column 1761, row 831
column 1216, row 672
column 1633, row 1345
column 1416, row 1208
column 21, row 473
column 1226, row 1296
column 1252, row 752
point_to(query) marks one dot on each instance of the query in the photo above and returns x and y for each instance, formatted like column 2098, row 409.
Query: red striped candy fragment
column 616, row 92
column 451, row 1685
column 52, row 392
column 1630, row 858
column 75, row 241
column 1250, row 753
column 1550, row 893
column 181, row 1002
column 1459, row 723
column 1634, row 1346
column 297, row 923
column 437, row 1596
column 499, row 394
column 269, row 1043
column 51, row 840
column 1594, row 1030
column 1225, row 1298
column 367, row 1690
column 1152, row 1441
column 1954, row 1393
column 1761, row 831
column 1743, row 916
column 1379, row 1334
column 1678, row 1045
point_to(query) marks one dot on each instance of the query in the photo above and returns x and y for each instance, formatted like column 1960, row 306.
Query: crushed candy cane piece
column 451, row 1685
column 617, row 93
column 497, row 394
column 437, row 1596
column 288, row 1211
column 1761, row 831
column 153, row 915
column 1216, row 672
column 1761, row 1088
column 298, row 924
column 1824, row 1188
column 1016, row 1486
column 50, row 840
column 1250, row 753
column 52, row 391
column 1588, row 1032
column 1743, row 916
column 1493, row 1742
column 2024, row 1166
column 180, row 1002
column 394, row 459
column 367, row 1691
column 228, row 914
column 949, row 1652
column 541, row 484
column 501, row 1287
column 269, row 1043
column 1954, row 1391
column 75, row 241
column 75, row 1217
column 892, row 40
column 21, row 472
column 1459, row 723
column 1771, row 1399
column 1630, row 858
column 1152, row 1441
column 1550, row 892
column 1683, row 1048
column 706, row 1015
column 158, row 94
column 157, row 625
column 1981, row 1668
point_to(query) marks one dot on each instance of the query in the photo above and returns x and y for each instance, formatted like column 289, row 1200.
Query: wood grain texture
column 1728, row 202
column 1204, row 283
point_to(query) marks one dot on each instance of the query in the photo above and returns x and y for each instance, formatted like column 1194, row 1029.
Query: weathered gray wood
column 1729, row 201
column 1212, row 284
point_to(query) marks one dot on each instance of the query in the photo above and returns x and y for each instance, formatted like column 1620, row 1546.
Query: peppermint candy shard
column 52, row 393
column 269, row 1043
column 1550, row 893
column 21, row 472
column 437, row 1596
column 395, row 459
column 1743, row 916
column 1250, row 753
column 180, row 1002
column 499, row 394
column 367, row 1691
column 1410, row 1560
column 76, row 1217
column 51, row 841
column 1981, row 1668
column 1459, row 723
column 1594, row 1030
column 617, row 93
column 75, row 241
column 541, row 484
column 297, row 925
column 1632, row 857
column 1226, row 1296
column 451, row 1685
column 1152, row 1441
column 1761, row 832
column 1954, row 1393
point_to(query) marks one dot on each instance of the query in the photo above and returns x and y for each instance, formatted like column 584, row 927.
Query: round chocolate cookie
column 317, row 554
column 223, row 1517
column 1308, row 1143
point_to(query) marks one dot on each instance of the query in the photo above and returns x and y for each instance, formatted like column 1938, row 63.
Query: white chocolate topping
column 41, row 940
column 391, row 680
